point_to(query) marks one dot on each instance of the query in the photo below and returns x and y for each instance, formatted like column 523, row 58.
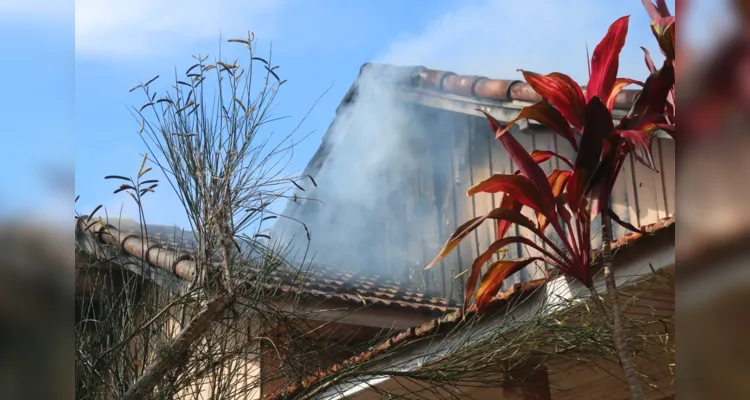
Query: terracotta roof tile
column 471, row 85
column 170, row 249
column 450, row 320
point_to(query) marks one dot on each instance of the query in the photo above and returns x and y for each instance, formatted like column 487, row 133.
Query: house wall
column 234, row 368
column 450, row 152
column 437, row 188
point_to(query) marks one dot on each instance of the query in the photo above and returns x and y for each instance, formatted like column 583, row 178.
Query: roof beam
column 501, row 110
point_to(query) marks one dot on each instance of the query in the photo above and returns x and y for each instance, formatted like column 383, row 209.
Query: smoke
column 371, row 160
column 373, row 138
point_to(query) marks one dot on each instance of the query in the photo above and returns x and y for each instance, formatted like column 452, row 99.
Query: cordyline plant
column 567, row 200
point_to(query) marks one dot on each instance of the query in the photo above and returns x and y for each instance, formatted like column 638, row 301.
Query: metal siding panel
column 661, row 199
column 628, row 175
column 463, row 205
column 440, row 129
column 481, row 169
column 648, row 193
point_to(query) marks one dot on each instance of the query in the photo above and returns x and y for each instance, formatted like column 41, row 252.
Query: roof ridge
column 476, row 86
column 344, row 286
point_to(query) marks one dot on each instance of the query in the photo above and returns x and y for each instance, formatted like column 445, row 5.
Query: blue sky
column 70, row 105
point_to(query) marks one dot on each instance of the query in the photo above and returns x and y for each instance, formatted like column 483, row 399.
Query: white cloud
column 132, row 28
column 495, row 38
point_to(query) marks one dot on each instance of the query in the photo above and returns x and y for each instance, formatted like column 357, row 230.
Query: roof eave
column 501, row 110
column 652, row 257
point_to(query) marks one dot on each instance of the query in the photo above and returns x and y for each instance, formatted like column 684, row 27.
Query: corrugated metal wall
column 451, row 152
column 445, row 173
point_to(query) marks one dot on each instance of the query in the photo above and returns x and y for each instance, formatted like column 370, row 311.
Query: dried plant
column 215, row 154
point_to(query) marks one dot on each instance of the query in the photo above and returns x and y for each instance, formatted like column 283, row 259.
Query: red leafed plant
column 663, row 27
column 566, row 200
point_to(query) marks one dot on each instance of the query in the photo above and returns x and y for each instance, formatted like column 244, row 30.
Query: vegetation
column 143, row 341
column 567, row 200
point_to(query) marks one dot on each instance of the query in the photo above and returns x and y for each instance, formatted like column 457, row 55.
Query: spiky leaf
column 606, row 60
column 493, row 279
column 562, row 91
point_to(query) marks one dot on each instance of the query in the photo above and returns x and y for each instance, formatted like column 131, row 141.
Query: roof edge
column 450, row 320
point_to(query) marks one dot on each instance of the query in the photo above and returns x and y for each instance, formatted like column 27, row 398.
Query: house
column 646, row 278
column 450, row 147
column 388, row 188
column 116, row 267
column 439, row 146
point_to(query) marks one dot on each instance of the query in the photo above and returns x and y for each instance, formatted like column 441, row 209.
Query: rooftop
column 450, row 321
column 169, row 250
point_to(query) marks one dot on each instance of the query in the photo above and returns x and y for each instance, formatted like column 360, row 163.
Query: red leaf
column 656, row 11
column 620, row 83
column 640, row 145
column 649, row 61
column 518, row 187
column 561, row 209
column 456, row 238
column 664, row 30
column 562, row 91
column 509, row 217
column 597, row 127
column 508, row 203
column 493, row 279
column 651, row 102
column 663, row 9
column 547, row 115
column 528, row 167
column 541, row 156
column 512, row 216
column 606, row 60
column 476, row 267
column 598, row 188
column 503, row 225
column 557, row 180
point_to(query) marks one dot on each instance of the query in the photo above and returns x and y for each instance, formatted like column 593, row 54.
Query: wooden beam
column 364, row 316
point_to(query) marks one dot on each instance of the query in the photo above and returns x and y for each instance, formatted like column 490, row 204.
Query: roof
column 475, row 86
column 485, row 92
column 169, row 249
column 446, row 82
column 449, row 321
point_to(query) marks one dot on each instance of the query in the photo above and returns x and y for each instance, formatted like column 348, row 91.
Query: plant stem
column 618, row 334
column 600, row 306
column 169, row 357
